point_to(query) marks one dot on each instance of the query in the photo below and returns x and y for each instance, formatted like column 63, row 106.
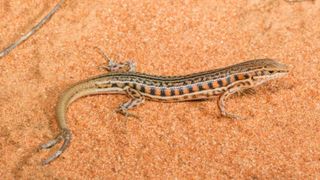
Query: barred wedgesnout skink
column 140, row 87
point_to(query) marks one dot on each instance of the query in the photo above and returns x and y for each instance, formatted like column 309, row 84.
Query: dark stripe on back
column 200, row 86
column 220, row 82
column 134, row 85
column 114, row 85
column 228, row 79
column 236, row 77
column 142, row 89
column 246, row 76
column 172, row 92
column 162, row 92
column 212, row 73
column 210, row 85
column 152, row 90
column 181, row 91
column 190, row 88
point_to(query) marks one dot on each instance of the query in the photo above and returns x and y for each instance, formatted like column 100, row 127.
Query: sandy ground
column 279, row 139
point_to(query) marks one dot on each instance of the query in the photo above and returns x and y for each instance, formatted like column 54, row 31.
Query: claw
column 113, row 66
column 105, row 56
column 232, row 116
column 126, row 113
column 249, row 91
column 65, row 135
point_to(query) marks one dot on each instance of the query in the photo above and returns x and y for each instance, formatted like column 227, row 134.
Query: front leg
column 221, row 105
column 113, row 66
column 236, row 88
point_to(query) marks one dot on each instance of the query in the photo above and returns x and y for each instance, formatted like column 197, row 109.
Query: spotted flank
column 123, row 79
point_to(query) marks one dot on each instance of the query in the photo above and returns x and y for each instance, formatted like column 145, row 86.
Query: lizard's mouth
column 269, row 75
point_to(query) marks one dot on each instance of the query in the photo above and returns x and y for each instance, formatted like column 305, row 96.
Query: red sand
column 279, row 139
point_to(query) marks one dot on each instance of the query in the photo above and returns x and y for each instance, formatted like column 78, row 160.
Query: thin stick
column 32, row 31
column 294, row 1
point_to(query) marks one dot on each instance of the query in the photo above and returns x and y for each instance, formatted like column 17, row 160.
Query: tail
column 75, row 92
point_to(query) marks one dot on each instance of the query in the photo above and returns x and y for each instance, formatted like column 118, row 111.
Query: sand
column 280, row 137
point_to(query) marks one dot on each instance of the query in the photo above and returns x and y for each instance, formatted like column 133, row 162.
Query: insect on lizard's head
column 270, row 69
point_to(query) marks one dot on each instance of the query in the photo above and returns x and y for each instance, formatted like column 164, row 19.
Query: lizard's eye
column 271, row 72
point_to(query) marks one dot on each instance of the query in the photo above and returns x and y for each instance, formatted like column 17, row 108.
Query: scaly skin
column 138, row 86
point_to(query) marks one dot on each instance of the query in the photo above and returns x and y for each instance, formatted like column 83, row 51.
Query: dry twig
column 32, row 31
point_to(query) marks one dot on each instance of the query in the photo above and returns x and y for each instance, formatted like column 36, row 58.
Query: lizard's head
column 269, row 69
